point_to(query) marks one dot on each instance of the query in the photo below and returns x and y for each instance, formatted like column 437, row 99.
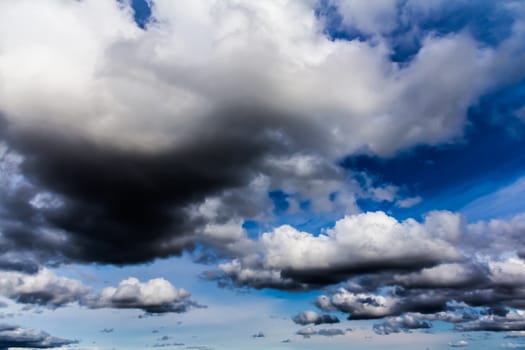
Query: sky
column 277, row 175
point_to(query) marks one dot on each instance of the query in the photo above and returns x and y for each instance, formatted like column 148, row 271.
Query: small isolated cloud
column 400, row 324
column 12, row 336
column 408, row 202
column 107, row 330
column 458, row 344
column 155, row 296
column 165, row 345
column 311, row 317
column 258, row 335
column 330, row 332
column 513, row 320
column 326, row 332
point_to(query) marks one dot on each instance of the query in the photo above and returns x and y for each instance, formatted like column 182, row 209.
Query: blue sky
column 230, row 174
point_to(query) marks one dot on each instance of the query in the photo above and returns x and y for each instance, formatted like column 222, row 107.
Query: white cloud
column 105, row 78
column 43, row 288
column 47, row 289
column 155, row 295
column 408, row 202
column 368, row 238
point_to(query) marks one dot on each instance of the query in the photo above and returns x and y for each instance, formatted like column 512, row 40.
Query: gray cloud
column 155, row 296
column 17, row 337
column 400, row 324
column 458, row 344
column 513, row 320
column 311, row 317
column 357, row 244
column 326, row 332
column 118, row 166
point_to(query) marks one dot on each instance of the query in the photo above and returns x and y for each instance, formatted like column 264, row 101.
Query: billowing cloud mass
column 357, row 244
column 122, row 144
column 12, row 336
column 120, row 131
column 46, row 289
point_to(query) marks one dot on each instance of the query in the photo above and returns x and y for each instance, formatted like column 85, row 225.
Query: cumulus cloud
column 109, row 131
column 12, row 336
column 46, row 289
column 440, row 269
column 400, row 324
column 311, row 317
column 513, row 320
column 326, row 332
column 357, row 244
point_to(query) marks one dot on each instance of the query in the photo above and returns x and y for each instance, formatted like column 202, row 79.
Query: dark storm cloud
column 121, row 206
column 12, row 336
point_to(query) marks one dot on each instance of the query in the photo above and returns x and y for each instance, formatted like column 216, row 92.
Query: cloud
column 357, row 244
column 135, row 117
column 164, row 345
column 513, row 320
column 326, row 332
column 17, row 337
column 258, row 335
column 517, row 334
column 408, row 202
column 458, row 344
column 311, row 317
column 43, row 289
column 155, row 296
column 109, row 131
column 510, row 345
column 400, row 324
